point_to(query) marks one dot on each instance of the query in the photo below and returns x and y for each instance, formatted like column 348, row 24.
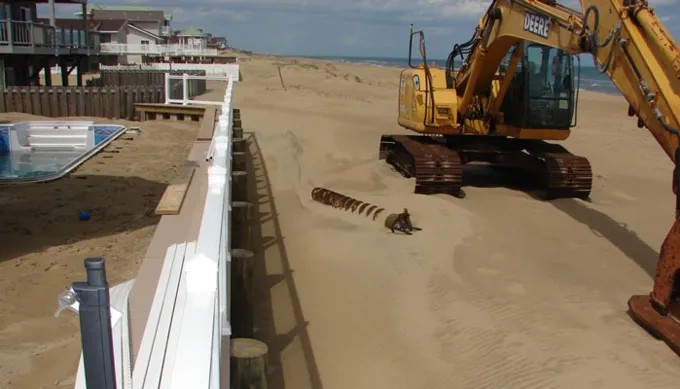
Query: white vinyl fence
column 211, row 69
column 186, row 340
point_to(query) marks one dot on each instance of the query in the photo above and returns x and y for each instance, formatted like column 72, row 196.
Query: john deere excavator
column 516, row 90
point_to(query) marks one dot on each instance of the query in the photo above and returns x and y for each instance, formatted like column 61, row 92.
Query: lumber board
column 176, row 191
column 207, row 124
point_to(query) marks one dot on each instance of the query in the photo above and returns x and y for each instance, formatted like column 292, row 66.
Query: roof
column 192, row 31
column 101, row 14
column 143, row 31
column 110, row 25
column 59, row 1
column 127, row 8
column 68, row 23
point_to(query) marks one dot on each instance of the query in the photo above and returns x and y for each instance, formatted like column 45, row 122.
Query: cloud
column 342, row 27
column 378, row 11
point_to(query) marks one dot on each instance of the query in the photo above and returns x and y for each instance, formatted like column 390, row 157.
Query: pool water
column 45, row 164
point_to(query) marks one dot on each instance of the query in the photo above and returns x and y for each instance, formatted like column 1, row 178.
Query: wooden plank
column 171, row 108
column 173, row 198
column 207, row 124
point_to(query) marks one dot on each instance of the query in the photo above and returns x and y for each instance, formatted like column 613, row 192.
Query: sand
column 499, row 290
column 44, row 244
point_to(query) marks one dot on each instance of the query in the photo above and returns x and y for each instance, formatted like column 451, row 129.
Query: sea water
column 591, row 79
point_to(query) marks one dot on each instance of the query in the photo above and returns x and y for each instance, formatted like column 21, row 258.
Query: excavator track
column 438, row 166
column 566, row 176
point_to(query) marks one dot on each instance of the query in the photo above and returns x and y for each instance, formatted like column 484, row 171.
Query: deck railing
column 31, row 34
column 175, row 50
column 211, row 69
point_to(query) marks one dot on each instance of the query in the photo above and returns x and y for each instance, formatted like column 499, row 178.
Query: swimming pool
column 47, row 150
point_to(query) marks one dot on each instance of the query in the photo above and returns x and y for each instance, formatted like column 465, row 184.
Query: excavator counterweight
column 514, row 94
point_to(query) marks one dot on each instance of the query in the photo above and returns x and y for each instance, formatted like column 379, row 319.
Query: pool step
column 57, row 140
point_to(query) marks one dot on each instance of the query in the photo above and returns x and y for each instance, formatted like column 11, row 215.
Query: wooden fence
column 150, row 77
column 105, row 102
column 111, row 96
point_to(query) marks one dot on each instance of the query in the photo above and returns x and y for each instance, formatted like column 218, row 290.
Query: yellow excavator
column 516, row 90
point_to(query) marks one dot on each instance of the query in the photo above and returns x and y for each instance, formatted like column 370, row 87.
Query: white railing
column 198, row 358
column 211, row 69
column 157, row 50
column 185, row 88
column 185, row 343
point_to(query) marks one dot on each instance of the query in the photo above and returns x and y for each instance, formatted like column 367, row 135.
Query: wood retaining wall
column 105, row 102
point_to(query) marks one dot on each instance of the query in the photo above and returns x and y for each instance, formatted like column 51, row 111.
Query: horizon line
column 379, row 58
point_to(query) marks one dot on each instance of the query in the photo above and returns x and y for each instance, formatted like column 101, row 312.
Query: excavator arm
column 628, row 43
column 632, row 47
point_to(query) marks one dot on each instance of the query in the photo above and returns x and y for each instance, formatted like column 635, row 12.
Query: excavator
column 514, row 95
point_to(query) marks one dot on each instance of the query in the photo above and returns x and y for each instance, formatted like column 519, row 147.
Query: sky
column 359, row 28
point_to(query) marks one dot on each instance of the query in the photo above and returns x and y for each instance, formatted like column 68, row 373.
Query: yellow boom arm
column 631, row 46
column 626, row 39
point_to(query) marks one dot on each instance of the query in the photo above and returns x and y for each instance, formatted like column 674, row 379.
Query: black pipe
column 95, row 326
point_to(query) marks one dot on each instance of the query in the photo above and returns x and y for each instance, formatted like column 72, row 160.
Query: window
column 549, row 71
column 550, row 80
column 505, row 64
column 145, row 42
column 25, row 14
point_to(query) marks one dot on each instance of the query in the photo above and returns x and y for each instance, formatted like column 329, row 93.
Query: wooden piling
column 238, row 132
column 238, row 161
column 242, row 310
column 239, row 189
column 241, row 228
column 240, row 144
column 248, row 364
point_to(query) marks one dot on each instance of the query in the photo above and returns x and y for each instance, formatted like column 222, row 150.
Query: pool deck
column 172, row 229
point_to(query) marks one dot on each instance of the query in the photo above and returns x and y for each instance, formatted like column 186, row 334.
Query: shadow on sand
column 599, row 223
column 36, row 216
column 617, row 233
column 277, row 314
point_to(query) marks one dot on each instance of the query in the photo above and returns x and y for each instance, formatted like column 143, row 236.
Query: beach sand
column 44, row 244
column 499, row 290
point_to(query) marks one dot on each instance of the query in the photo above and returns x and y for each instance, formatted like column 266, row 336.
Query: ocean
column 591, row 79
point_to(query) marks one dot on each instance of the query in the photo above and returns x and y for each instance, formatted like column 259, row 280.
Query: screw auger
column 394, row 222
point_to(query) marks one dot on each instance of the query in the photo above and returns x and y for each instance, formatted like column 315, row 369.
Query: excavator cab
column 542, row 93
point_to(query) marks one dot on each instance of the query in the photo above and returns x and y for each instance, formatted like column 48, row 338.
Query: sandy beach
column 499, row 290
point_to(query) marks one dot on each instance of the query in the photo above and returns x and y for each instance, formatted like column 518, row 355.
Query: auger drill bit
column 337, row 200
column 399, row 222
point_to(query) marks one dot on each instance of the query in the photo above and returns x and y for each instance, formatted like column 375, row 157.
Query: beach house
column 128, row 31
column 29, row 45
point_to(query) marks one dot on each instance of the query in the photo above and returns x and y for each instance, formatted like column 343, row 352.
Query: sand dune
column 498, row 291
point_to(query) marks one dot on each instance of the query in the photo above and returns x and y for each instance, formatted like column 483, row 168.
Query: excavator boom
column 515, row 90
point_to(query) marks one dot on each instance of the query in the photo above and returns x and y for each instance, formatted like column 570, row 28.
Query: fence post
column 95, row 326
column 167, row 87
column 185, row 89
